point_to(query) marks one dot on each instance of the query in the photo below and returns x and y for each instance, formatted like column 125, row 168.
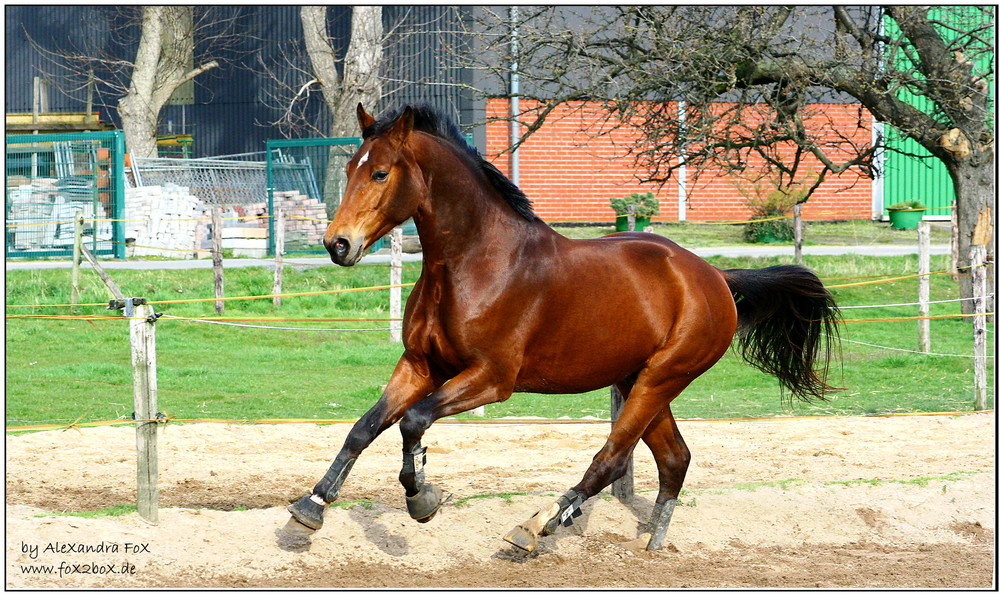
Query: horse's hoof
column 522, row 538
column 425, row 504
column 308, row 513
column 296, row 528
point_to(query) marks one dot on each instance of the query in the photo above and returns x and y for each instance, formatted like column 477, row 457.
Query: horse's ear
column 364, row 118
column 400, row 130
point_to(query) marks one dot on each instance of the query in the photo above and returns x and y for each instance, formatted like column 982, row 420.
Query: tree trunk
column 137, row 114
column 975, row 191
column 139, row 126
column 362, row 63
column 359, row 83
column 163, row 61
column 322, row 57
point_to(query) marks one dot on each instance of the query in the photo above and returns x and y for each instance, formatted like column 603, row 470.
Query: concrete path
column 732, row 251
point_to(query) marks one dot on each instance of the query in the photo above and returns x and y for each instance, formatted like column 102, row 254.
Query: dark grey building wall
column 231, row 111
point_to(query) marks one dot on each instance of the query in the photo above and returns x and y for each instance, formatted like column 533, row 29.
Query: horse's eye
column 379, row 175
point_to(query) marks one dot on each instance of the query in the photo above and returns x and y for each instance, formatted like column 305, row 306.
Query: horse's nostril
column 341, row 246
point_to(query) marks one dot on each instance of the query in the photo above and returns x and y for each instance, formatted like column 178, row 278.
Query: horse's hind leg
column 644, row 403
column 672, row 458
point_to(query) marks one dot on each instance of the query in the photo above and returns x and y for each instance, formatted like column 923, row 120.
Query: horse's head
column 384, row 188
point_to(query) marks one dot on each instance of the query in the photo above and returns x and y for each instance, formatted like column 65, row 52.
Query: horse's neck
column 464, row 219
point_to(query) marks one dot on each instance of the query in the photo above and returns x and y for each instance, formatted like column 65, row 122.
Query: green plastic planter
column 621, row 223
column 906, row 219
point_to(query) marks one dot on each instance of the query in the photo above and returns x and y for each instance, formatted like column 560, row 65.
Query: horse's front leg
column 473, row 387
column 409, row 383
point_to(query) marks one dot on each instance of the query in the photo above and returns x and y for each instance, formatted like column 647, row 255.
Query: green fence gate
column 50, row 179
column 305, row 179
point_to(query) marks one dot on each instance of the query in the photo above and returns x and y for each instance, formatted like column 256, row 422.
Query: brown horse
column 505, row 304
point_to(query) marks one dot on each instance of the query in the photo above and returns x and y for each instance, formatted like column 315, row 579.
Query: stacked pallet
column 164, row 221
column 245, row 240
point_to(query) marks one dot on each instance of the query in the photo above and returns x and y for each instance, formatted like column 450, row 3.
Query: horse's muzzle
column 345, row 251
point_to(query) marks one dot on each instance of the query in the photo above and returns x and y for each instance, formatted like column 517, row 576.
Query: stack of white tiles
column 40, row 201
column 164, row 221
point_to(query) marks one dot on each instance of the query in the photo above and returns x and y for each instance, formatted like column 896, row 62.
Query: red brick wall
column 570, row 172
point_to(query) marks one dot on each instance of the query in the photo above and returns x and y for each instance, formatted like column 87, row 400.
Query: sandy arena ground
column 905, row 502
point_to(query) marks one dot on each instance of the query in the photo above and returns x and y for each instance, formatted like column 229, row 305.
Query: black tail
column 787, row 324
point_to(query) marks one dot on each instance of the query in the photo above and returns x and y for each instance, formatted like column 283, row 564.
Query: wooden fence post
column 220, row 305
column 279, row 253
column 797, row 228
column 924, row 284
column 74, row 296
column 108, row 281
column 980, row 290
column 396, row 278
column 623, row 488
column 143, row 337
column 954, row 242
column 631, row 217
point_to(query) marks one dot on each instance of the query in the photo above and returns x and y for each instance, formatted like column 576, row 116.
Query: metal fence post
column 77, row 252
column 118, row 180
column 272, row 249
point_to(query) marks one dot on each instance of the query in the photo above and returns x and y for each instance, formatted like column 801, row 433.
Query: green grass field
column 62, row 370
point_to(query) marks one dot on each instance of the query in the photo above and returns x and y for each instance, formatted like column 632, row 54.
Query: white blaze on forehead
column 362, row 160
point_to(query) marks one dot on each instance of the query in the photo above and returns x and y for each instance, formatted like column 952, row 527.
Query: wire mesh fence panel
column 306, row 179
column 215, row 181
column 52, row 178
column 170, row 203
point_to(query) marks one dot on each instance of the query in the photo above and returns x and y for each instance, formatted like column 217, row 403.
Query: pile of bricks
column 305, row 218
column 164, row 221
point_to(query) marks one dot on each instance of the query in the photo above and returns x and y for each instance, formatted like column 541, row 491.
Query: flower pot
column 905, row 219
column 621, row 223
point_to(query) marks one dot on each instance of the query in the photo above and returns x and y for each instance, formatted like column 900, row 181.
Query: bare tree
column 379, row 63
column 165, row 40
column 312, row 63
column 746, row 79
column 362, row 62
column 162, row 64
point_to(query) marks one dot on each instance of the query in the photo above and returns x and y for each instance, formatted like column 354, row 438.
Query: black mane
column 429, row 120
